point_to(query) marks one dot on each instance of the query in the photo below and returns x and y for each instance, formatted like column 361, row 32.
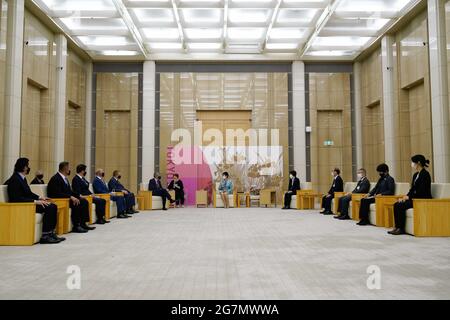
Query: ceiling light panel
column 227, row 26
column 201, row 17
column 331, row 43
column 296, row 17
column 354, row 26
column 203, row 34
column 153, row 17
column 161, row 34
column 100, row 26
column 249, row 17
column 79, row 8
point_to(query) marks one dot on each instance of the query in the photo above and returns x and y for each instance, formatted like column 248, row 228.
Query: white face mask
column 223, row 177
column 291, row 176
column 413, row 165
column 360, row 176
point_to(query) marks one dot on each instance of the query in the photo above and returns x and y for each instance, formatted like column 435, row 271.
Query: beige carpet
column 256, row 253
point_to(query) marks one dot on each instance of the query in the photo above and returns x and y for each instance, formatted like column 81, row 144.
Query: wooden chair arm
column 25, row 205
column 425, row 201
column 17, row 223
column 304, row 191
column 339, row 194
column 358, row 196
column 389, row 197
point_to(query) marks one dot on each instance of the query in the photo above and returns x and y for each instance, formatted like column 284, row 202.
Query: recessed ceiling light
column 161, row 33
column 203, row 33
column 119, row 53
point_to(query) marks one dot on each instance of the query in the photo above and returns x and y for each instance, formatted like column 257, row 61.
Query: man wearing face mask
column 363, row 186
column 154, row 185
column 384, row 187
column 81, row 186
column 294, row 185
column 59, row 187
column 336, row 186
column 115, row 186
column 19, row 191
column 100, row 187
column 39, row 178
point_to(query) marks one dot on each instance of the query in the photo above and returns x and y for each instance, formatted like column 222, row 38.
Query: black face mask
column 103, row 174
column 84, row 174
column 40, row 176
column 28, row 170
column 382, row 174
column 68, row 173
column 118, row 177
column 159, row 177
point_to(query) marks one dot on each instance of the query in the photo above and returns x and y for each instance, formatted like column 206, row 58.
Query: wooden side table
column 305, row 199
column 201, row 198
column 141, row 202
column 356, row 204
column 268, row 197
column 147, row 199
column 246, row 196
column 388, row 212
column 63, row 223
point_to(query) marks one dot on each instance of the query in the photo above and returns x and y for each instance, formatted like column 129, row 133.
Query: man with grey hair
column 363, row 186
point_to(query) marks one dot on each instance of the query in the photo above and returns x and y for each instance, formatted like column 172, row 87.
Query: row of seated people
column 59, row 187
column 420, row 189
column 225, row 189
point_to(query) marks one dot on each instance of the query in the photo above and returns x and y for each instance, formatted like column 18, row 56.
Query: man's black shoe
column 85, row 226
column 48, row 240
column 78, row 229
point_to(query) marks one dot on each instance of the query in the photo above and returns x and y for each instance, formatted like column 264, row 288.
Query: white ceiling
column 177, row 28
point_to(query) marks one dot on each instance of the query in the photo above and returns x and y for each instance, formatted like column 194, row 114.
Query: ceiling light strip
column 225, row 25
column 272, row 21
column 321, row 22
column 130, row 25
column 180, row 28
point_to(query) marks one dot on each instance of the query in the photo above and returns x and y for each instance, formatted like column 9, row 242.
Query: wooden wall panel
column 372, row 113
column 38, row 95
column 117, row 125
column 412, row 105
column 447, row 25
column 3, row 25
column 74, row 148
column 330, row 117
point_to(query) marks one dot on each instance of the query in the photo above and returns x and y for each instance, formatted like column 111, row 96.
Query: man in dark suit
column 177, row 185
column 154, row 185
column 115, row 186
column 59, row 187
column 100, row 187
column 385, row 187
column 19, row 191
column 81, row 186
column 39, row 178
column 363, row 186
column 294, row 185
column 336, row 186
